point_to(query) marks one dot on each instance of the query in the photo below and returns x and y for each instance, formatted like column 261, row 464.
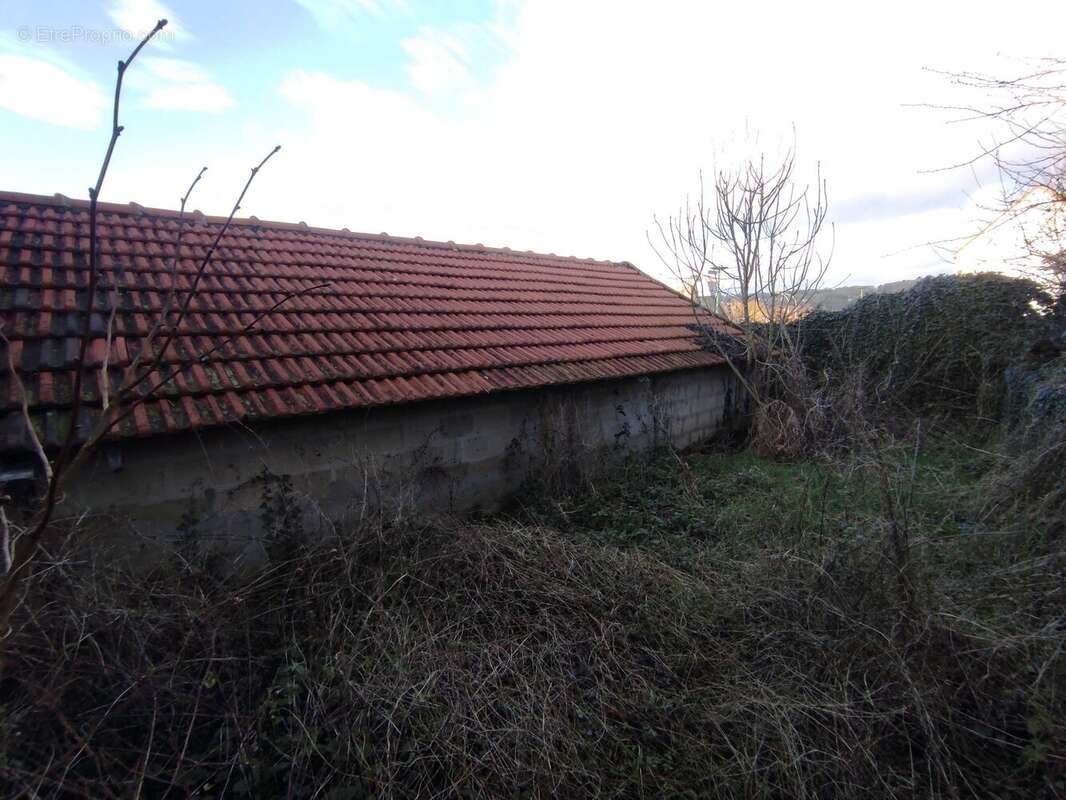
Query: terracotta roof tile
column 398, row 319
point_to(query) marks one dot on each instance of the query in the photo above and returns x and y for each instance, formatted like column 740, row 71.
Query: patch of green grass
column 731, row 502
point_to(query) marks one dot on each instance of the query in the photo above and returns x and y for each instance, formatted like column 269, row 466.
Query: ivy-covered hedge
column 943, row 344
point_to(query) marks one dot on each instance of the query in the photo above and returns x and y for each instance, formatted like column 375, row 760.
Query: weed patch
column 703, row 625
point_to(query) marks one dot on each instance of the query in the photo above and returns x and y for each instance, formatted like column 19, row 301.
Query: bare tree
column 1029, row 151
column 148, row 372
column 750, row 249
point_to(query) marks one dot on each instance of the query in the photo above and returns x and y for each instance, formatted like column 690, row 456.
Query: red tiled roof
column 400, row 319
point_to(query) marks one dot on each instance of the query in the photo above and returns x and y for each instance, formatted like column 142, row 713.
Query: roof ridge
column 62, row 201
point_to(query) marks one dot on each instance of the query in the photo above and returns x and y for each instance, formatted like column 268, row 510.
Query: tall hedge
column 943, row 344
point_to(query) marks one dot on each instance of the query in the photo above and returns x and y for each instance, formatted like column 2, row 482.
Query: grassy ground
column 712, row 624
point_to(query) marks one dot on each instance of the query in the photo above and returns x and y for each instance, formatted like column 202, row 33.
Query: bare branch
column 94, row 256
column 749, row 247
column 1030, row 156
column 105, row 379
column 172, row 328
column 24, row 407
column 5, row 541
column 180, row 368
column 149, row 339
column 26, row 547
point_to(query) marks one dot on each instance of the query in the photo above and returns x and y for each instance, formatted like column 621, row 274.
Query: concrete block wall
column 438, row 456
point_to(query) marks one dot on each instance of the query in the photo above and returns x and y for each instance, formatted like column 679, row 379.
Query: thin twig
column 28, row 543
column 161, row 320
column 24, row 407
column 105, row 380
column 173, row 328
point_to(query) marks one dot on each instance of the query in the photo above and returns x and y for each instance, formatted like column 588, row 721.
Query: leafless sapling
column 148, row 372
column 749, row 248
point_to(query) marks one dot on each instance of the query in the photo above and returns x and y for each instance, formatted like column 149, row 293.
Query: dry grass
column 718, row 626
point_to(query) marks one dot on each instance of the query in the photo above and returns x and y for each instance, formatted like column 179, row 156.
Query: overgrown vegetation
column 714, row 624
column 943, row 345
column 882, row 617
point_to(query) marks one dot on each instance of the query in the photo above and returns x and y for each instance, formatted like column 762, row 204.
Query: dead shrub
column 776, row 430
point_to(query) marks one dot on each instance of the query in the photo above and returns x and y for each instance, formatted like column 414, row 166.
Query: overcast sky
column 555, row 126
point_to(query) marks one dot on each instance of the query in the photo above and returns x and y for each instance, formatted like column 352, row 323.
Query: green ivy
column 943, row 344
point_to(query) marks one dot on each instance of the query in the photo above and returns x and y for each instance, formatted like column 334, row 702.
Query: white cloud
column 455, row 59
column 205, row 97
column 40, row 90
column 138, row 17
column 172, row 84
column 184, row 86
column 439, row 61
column 336, row 14
column 176, row 70
column 361, row 137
